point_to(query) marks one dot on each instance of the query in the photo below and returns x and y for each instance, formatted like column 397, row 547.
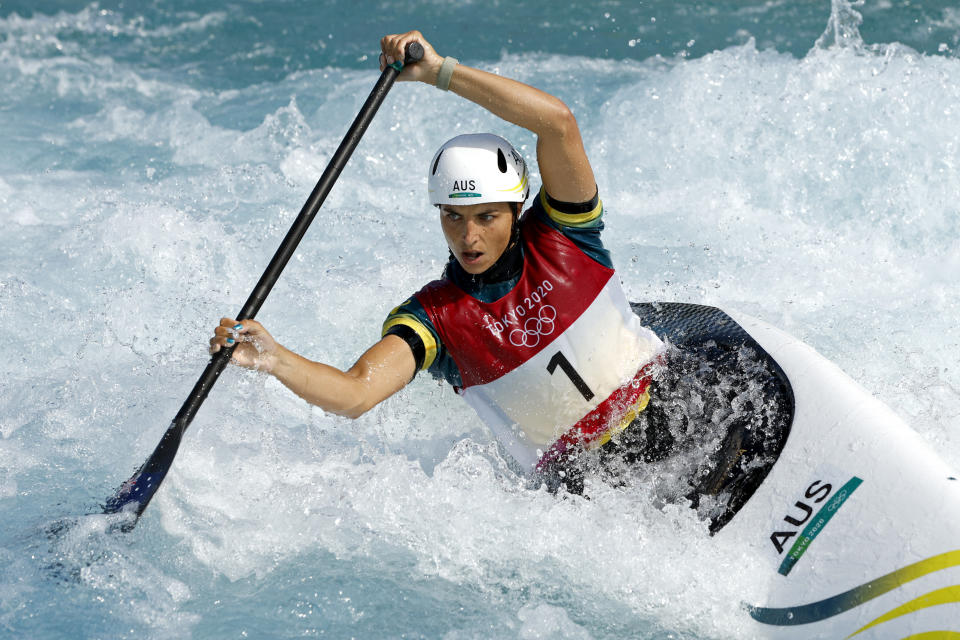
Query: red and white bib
column 560, row 360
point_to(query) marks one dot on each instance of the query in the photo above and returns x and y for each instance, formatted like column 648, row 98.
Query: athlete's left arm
column 564, row 169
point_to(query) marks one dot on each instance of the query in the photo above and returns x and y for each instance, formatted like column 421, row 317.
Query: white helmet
column 477, row 167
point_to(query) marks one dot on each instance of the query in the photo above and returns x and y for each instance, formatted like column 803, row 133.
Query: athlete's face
column 477, row 234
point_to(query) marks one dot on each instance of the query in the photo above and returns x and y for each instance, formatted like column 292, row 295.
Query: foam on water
column 818, row 193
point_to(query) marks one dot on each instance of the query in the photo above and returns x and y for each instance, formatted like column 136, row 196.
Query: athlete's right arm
column 380, row 372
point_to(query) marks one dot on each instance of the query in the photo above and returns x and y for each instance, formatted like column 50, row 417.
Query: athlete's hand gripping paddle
column 134, row 495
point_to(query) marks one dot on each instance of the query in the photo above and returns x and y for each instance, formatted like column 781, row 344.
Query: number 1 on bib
column 561, row 360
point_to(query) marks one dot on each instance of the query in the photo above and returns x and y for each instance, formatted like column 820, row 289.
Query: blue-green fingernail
column 238, row 327
column 229, row 340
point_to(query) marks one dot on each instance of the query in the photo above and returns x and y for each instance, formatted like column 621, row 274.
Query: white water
column 817, row 193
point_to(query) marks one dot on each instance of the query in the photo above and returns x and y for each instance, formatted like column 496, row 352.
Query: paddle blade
column 135, row 494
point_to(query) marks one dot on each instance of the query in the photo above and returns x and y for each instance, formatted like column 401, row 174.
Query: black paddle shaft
column 140, row 488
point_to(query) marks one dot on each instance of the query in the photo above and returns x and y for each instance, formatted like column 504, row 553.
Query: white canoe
column 857, row 522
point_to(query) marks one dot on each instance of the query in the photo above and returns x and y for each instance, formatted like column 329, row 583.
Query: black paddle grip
column 414, row 53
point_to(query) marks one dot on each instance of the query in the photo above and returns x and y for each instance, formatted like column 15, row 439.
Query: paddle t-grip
column 414, row 53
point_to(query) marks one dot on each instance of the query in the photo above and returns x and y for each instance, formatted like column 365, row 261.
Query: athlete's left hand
column 394, row 48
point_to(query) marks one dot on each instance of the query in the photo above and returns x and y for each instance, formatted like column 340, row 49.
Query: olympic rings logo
column 541, row 325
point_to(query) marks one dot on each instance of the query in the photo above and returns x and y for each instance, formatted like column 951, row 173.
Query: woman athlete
column 528, row 322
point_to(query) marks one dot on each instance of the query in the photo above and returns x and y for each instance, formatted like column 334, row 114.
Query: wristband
column 446, row 72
